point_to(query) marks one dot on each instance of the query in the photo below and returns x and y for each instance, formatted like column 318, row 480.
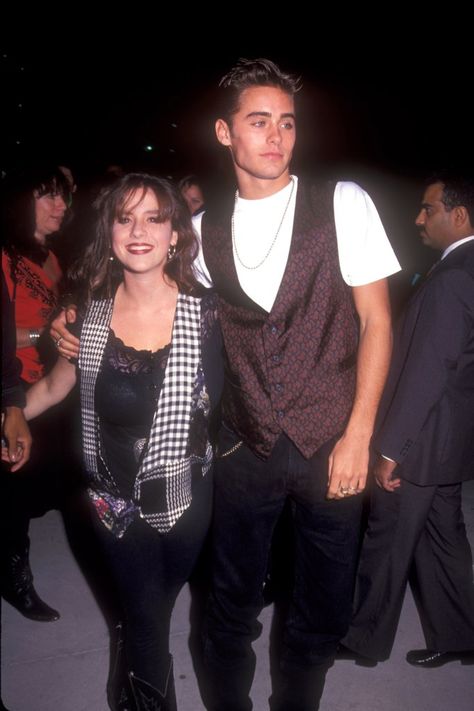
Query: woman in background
column 33, row 208
column 192, row 192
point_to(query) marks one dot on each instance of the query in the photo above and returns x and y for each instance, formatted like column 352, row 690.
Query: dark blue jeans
column 149, row 569
column 249, row 496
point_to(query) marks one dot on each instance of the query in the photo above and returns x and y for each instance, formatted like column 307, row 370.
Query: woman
column 150, row 375
column 33, row 208
column 192, row 192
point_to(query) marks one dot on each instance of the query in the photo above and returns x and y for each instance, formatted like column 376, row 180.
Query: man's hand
column 17, row 446
column 349, row 460
column 383, row 472
column 348, row 466
column 66, row 343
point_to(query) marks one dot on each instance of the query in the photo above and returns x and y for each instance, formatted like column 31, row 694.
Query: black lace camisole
column 127, row 390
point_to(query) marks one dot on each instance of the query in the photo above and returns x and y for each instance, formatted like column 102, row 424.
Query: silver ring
column 59, row 341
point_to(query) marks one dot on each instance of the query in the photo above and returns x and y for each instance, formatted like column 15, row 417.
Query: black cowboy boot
column 17, row 587
column 148, row 698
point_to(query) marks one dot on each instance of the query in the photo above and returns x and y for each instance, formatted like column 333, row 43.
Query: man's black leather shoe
column 430, row 659
column 346, row 653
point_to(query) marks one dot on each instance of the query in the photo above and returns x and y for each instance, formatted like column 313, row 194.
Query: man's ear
column 461, row 215
column 223, row 132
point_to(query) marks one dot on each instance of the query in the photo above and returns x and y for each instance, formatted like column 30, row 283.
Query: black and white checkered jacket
column 163, row 488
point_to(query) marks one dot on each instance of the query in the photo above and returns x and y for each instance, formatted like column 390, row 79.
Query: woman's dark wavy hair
column 17, row 212
column 95, row 275
column 249, row 73
column 187, row 181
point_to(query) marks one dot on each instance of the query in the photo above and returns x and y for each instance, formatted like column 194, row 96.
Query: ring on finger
column 58, row 342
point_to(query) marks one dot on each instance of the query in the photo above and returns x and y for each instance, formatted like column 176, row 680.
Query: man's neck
column 252, row 188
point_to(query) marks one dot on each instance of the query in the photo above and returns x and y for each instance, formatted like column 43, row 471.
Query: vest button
column 278, row 387
column 276, row 358
column 280, row 414
column 273, row 330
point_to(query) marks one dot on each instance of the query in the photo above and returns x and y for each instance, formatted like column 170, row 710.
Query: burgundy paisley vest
column 291, row 370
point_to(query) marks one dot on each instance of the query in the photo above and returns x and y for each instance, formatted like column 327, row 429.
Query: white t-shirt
column 263, row 230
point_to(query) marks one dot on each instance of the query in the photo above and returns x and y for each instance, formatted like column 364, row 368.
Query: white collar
column 456, row 244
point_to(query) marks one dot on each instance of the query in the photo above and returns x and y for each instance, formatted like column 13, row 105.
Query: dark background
column 380, row 89
column 383, row 105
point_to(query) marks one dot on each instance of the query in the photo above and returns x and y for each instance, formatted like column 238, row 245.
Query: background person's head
column 192, row 192
column 34, row 205
column 447, row 210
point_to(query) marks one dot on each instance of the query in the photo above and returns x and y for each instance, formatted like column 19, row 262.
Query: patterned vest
column 291, row 370
column 163, row 486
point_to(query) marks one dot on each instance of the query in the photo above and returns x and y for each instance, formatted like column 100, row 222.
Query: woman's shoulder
column 206, row 296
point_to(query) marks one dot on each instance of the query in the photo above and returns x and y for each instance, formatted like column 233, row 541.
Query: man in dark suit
column 425, row 445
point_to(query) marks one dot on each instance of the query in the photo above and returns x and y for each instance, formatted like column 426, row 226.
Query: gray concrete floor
column 62, row 666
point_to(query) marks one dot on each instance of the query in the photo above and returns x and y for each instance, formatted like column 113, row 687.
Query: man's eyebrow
column 268, row 114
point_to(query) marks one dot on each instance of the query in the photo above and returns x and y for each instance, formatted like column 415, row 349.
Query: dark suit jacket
column 427, row 411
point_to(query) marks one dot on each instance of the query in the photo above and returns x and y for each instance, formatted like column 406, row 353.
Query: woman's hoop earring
column 171, row 252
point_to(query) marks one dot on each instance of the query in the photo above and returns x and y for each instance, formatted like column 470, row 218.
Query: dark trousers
column 414, row 534
column 51, row 479
column 148, row 570
column 250, row 495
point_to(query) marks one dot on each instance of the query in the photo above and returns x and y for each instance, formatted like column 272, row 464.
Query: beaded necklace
column 234, row 242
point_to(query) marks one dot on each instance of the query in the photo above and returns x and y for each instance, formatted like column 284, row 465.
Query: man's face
column 261, row 136
column 436, row 224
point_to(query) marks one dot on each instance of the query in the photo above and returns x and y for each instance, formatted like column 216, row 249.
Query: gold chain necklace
column 234, row 243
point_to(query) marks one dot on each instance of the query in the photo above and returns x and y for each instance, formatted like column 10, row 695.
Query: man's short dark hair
column 248, row 73
column 458, row 190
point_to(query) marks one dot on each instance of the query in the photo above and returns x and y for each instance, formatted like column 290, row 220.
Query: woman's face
column 194, row 198
column 139, row 241
column 49, row 214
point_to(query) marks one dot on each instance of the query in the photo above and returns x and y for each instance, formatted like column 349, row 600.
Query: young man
column 300, row 270
column 427, row 436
